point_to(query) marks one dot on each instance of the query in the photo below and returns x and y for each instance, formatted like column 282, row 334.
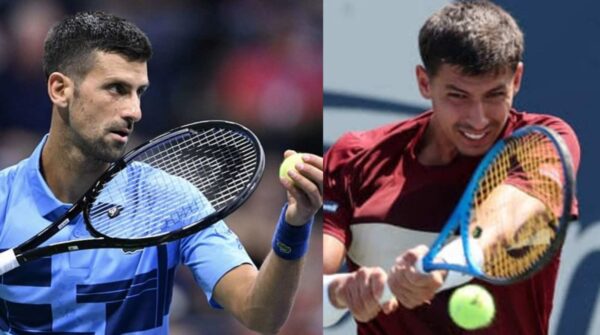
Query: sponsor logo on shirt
column 330, row 206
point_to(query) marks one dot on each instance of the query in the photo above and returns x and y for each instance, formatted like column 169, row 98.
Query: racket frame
column 460, row 218
column 27, row 251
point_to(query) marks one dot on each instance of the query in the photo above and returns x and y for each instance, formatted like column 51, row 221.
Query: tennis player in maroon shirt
column 389, row 191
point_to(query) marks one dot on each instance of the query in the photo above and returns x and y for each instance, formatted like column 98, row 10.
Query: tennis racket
column 514, row 212
column 167, row 188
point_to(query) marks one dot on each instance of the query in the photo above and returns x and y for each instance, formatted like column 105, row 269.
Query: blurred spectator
column 23, row 96
column 276, row 83
column 252, row 61
column 15, row 144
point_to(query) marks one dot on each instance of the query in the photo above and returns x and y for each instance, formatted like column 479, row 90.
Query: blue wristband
column 291, row 242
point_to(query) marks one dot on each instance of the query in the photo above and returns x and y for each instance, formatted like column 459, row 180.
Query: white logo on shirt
column 330, row 206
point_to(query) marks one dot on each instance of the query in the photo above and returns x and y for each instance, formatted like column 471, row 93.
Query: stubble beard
column 106, row 152
column 99, row 148
column 94, row 143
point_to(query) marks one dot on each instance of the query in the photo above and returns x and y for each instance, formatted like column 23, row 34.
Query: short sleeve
column 567, row 134
column 570, row 138
column 210, row 254
column 338, row 174
column 6, row 179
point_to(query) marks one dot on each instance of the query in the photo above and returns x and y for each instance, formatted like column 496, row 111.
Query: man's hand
column 305, row 193
column 411, row 287
column 360, row 291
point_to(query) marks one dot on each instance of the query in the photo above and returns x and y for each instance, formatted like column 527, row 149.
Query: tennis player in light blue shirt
column 132, row 288
column 96, row 70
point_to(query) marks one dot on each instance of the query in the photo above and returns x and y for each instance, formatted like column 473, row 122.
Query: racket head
column 175, row 184
column 536, row 162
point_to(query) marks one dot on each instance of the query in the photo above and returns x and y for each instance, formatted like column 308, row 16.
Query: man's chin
column 474, row 151
column 116, row 155
column 112, row 153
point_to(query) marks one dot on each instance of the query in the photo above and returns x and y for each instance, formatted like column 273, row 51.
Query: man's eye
column 456, row 95
column 497, row 95
column 119, row 89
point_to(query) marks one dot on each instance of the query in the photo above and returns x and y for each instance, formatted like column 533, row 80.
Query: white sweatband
column 331, row 314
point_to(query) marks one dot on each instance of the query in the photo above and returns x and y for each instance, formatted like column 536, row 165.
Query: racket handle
column 386, row 295
column 453, row 253
column 419, row 266
column 8, row 261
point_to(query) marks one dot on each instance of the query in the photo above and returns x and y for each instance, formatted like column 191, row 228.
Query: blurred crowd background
column 256, row 62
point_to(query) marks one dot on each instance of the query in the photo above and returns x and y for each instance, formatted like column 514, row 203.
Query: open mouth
column 121, row 134
column 474, row 136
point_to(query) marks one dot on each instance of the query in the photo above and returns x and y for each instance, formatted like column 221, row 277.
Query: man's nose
column 133, row 111
column 477, row 117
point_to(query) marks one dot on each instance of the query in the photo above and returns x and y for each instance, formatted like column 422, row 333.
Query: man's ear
column 423, row 81
column 518, row 77
column 60, row 89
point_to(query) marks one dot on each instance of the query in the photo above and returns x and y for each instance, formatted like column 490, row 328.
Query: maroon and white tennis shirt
column 380, row 201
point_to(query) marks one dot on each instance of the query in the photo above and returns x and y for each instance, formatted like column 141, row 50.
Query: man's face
column 105, row 105
column 469, row 112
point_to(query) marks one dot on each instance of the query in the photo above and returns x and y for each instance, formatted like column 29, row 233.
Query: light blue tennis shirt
column 104, row 291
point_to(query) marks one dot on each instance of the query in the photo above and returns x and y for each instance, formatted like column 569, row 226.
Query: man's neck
column 66, row 170
column 432, row 152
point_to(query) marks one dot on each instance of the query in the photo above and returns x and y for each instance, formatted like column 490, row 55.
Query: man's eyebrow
column 496, row 88
column 454, row 88
column 126, row 84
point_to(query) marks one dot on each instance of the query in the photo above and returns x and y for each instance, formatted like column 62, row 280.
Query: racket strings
column 518, row 253
column 531, row 164
column 136, row 201
column 202, row 172
column 176, row 183
column 191, row 207
column 186, row 168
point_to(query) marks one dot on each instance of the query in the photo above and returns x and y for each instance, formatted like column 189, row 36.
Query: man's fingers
column 314, row 160
column 411, row 287
column 360, row 293
column 371, row 279
column 411, row 256
column 377, row 283
column 390, row 306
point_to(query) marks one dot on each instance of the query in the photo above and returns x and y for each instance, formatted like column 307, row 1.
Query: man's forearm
column 272, row 294
column 274, row 289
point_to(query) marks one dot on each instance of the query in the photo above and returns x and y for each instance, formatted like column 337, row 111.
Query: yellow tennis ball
column 472, row 307
column 289, row 163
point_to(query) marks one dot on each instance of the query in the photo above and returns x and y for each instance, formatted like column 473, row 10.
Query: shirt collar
column 47, row 204
column 422, row 121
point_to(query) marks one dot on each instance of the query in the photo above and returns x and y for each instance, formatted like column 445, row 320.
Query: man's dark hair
column 70, row 44
column 477, row 36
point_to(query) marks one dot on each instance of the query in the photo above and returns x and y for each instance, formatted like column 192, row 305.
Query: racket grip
column 8, row 261
column 386, row 295
column 453, row 253
column 419, row 266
